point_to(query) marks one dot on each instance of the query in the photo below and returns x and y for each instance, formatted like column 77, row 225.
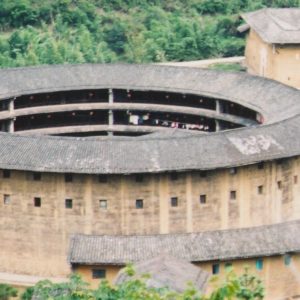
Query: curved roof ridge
column 210, row 231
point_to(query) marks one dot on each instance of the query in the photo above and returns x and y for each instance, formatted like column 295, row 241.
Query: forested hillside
column 75, row 31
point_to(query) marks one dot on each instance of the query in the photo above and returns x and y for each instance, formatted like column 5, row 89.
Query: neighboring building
column 273, row 44
column 176, row 183
column 271, row 252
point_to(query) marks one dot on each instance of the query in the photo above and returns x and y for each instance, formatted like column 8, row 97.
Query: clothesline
column 140, row 119
column 175, row 124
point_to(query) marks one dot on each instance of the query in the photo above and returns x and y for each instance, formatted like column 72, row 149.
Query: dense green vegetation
column 7, row 291
column 75, row 31
column 234, row 67
column 244, row 287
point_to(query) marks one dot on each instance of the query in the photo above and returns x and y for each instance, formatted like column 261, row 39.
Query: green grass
column 235, row 67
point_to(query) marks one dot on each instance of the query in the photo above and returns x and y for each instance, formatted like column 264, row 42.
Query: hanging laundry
column 134, row 119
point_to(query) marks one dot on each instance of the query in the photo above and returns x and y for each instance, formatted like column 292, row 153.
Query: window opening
column 259, row 264
column 98, row 273
column 232, row 195
column 139, row 178
column 203, row 199
column 69, row 203
column 232, row 171
column 139, row 203
column 68, row 177
column 174, row 201
column 174, row 176
column 287, row 259
column 203, row 174
column 6, row 174
column 260, row 166
column 103, row 203
column 6, row 199
column 102, row 178
column 37, row 201
column 216, row 268
column 37, row 176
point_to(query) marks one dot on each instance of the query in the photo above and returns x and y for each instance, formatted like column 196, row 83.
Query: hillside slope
column 36, row 32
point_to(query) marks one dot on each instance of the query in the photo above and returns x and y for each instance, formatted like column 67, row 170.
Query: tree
column 7, row 291
column 245, row 287
column 34, row 32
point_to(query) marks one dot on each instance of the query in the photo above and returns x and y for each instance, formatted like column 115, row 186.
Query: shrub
column 6, row 291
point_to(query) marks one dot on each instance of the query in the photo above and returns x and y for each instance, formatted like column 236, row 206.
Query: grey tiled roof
column 128, row 155
column 167, row 271
column 195, row 247
column 260, row 94
column 275, row 25
column 279, row 104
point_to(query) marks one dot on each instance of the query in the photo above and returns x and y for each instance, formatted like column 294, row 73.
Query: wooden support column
column 11, row 125
column 11, row 105
column 11, row 122
column 218, row 110
column 110, row 112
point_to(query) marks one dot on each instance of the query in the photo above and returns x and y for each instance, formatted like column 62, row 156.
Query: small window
column 287, row 259
column 69, row 203
column 259, row 264
column 174, row 201
column 203, row 174
column 232, row 195
column 228, row 266
column 139, row 178
column 279, row 185
column 68, row 177
column 174, row 176
column 203, row 199
column 6, row 173
column 139, row 203
column 98, row 273
column 102, row 178
column 103, row 204
column 37, row 176
column 37, row 201
column 232, row 171
column 260, row 189
column 216, row 268
column 295, row 179
column 260, row 166
column 6, row 199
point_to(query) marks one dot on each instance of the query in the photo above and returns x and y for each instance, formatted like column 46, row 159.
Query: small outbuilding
column 273, row 44
column 167, row 271
column 174, row 259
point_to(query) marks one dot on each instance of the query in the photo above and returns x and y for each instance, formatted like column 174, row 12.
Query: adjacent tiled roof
column 195, row 247
column 279, row 104
column 275, row 25
column 167, row 271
